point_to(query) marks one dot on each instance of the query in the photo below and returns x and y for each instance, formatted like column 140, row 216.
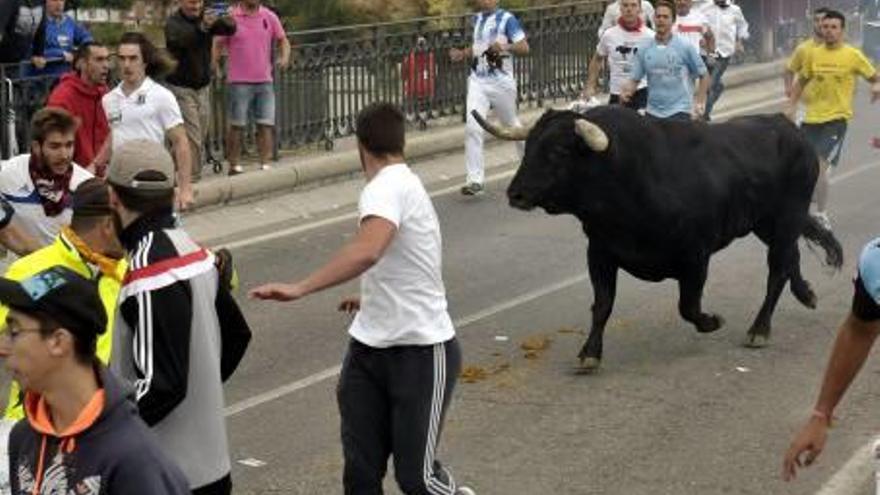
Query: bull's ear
column 592, row 134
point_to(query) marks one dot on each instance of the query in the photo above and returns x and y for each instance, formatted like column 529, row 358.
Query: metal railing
column 337, row 72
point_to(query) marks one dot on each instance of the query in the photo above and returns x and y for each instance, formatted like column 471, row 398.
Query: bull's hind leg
column 799, row 286
column 603, row 275
column 690, row 288
column 780, row 259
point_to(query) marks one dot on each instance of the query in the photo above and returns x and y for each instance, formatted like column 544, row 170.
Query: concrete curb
column 311, row 171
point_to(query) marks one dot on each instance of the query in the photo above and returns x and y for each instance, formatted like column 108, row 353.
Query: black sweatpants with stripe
column 392, row 402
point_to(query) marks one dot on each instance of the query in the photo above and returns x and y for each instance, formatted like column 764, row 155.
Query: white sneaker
column 265, row 166
column 823, row 219
column 465, row 490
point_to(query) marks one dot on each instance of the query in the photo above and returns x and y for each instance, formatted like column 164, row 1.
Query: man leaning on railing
column 58, row 36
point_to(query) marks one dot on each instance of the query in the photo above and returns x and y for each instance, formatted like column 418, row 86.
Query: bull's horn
column 592, row 134
column 506, row 133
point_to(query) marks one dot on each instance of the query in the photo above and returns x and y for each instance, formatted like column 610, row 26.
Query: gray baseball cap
column 143, row 165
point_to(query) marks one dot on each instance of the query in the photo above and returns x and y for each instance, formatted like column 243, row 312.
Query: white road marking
column 290, row 388
column 852, row 476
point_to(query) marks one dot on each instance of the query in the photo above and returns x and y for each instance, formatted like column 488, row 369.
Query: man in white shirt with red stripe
column 403, row 358
column 614, row 11
column 619, row 46
column 693, row 26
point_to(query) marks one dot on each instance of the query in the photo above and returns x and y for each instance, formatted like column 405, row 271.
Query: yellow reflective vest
column 62, row 253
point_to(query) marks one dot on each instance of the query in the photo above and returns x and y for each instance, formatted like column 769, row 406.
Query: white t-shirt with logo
column 692, row 27
column 403, row 300
column 621, row 47
column 147, row 113
column 17, row 187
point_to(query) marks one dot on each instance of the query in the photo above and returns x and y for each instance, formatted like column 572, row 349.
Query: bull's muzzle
column 505, row 133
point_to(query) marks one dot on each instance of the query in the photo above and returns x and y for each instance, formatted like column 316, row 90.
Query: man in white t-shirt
column 693, row 26
column 614, row 11
column 619, row 46
column 403, row 359
column 730, row 28
column 39, row 185
column 140, row 108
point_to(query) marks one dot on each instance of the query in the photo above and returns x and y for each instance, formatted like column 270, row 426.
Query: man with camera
column 497, row 35
column 189, row 35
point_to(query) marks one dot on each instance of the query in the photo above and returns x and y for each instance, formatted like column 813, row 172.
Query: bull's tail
column 816, row 234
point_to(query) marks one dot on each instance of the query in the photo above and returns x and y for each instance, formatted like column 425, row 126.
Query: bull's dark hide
column 663, row 196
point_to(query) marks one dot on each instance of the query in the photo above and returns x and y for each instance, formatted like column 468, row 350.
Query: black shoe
column 472, row 189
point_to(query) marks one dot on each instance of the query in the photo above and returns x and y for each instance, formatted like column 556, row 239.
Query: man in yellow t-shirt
column 89, row 247
column 802, row 52
column 828, row 79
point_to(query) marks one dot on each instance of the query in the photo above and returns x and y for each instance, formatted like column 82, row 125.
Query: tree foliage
column 309, row 14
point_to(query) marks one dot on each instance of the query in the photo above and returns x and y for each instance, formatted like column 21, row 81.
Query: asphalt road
column 671, row 412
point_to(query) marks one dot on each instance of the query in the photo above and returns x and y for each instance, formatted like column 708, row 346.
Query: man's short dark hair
column 820, row 11
column 669, row 5
column 381, row 129
column 144, row 201
column 84, row 51
column 158, row 63
column 91, row 205
column 835, row 14
column 49, row 120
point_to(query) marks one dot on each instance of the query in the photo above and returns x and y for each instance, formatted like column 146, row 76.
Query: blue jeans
column 716, row 87
column 827, row 139
column 258, row 98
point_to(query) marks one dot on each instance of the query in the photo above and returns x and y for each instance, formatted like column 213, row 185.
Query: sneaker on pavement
column 265, row 166
column 472, row 189
column 235, row 170
column 823, row 219
column 465, row 490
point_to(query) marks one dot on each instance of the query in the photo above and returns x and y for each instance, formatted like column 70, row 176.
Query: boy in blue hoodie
column 81, row 434
column 58, row 36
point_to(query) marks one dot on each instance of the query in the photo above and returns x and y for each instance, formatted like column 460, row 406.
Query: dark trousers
column 392, row 402
column 716, row 86
column 223, row 486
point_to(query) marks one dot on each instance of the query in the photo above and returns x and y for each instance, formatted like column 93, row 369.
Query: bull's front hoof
column 588, row 365
column 754, row 341
column 710, row 323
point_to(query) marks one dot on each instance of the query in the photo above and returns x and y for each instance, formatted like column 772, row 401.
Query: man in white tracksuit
column 497, row 35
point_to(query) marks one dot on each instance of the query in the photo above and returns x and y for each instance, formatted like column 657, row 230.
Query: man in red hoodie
column 80, row 92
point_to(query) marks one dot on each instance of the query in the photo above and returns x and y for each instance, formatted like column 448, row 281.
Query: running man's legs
column 473, row 139
column 365, row 415
column 827, row 139
column 502, row 98
column 717, row 86
column 422, row 379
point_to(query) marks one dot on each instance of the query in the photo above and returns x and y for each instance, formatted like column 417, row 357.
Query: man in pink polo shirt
column 249, row 77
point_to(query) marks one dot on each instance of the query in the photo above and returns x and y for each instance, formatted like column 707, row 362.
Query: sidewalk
column 318, row 168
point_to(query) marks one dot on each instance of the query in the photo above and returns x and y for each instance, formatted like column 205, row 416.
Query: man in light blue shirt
column 671, row 65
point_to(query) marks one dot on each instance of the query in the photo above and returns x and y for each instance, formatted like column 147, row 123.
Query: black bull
column 658, row 198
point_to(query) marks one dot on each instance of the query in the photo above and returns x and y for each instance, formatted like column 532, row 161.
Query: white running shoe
column 265, row 166
column 465, row 490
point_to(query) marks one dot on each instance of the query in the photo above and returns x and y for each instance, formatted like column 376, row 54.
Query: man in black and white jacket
column 167, row 340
